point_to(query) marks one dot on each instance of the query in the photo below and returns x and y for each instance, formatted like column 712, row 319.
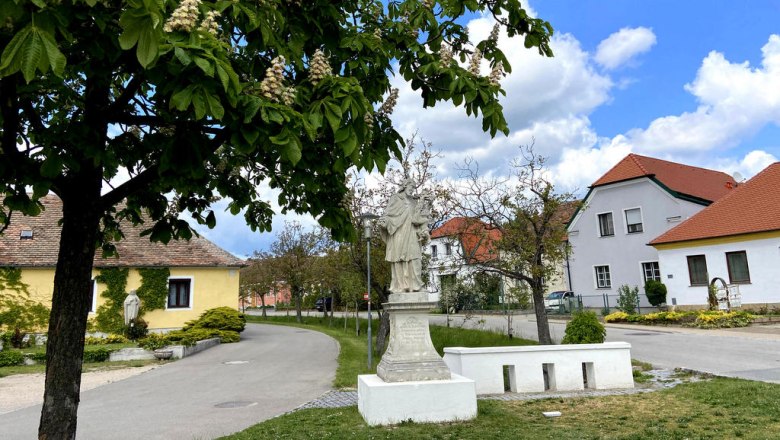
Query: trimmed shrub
column 655, row 292
column 721, row 319
column 11, row 358
column 110, row 339
column 154, row 341
column 220, row 318
column 137, row 330
column 584, row 328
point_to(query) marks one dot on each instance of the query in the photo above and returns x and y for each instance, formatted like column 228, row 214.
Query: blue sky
column 690, row 81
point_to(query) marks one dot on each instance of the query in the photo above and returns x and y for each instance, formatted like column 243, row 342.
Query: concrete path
column 222, row 390
column 749, row 353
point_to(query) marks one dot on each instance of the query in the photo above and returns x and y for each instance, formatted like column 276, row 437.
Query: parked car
column 328, row 304
column 554, row 301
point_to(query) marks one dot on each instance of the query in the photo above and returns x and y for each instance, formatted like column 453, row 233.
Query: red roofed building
column 200, row 274
column 737, row 238
column 635, row 201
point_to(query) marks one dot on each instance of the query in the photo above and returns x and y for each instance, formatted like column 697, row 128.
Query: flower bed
column 700, row 319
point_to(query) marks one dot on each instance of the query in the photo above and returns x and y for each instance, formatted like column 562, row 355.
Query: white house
column 637, row 200
column 456, row 249
column 736, row 239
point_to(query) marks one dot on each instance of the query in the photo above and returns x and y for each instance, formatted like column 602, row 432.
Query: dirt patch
column 23, row 390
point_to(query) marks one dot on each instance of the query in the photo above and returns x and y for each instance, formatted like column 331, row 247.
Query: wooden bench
column 540, row 368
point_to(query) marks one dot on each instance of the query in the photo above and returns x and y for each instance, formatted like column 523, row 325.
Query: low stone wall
column 130, row 354
column 541, row 368
column 181, row 351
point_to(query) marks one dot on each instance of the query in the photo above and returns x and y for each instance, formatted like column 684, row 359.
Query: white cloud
column 547, row 99
column 623, row 46
column 735, row 102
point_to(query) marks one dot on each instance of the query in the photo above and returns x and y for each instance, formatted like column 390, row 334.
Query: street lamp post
column 366, row 219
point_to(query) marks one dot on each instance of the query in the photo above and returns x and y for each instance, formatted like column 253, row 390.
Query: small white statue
column 131, row 305
column 404, row 227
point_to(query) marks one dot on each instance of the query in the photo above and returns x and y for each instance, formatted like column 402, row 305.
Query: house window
column 178, row 293
column 93, row 297
column 603, row 280
column 738, row 267
column 606, row 227
column 434, row 252
column 633, row 220
column 448, row 249
column 651, row 271
column 697, row 270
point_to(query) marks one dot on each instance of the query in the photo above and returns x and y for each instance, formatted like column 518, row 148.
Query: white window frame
column 192, row 292
column 95, row 294
column 642, row 269
column 596, row 276
column 598, row 223
column 641, row 220
column 448, row 249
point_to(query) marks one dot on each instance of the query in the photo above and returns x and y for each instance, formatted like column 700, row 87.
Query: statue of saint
column 131, row 305
column 404, row 227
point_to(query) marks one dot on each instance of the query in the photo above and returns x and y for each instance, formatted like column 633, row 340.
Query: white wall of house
column 623, row 253
column 443, row 264
column 763, row 257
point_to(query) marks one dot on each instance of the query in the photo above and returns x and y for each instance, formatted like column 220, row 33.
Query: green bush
column 99, row 354
column 584, row 328
column 628, row 299
column 655, row 292
column 137, row 330
column 11, row 358
column 220, row 318
column 110, row 339
column 154, row 341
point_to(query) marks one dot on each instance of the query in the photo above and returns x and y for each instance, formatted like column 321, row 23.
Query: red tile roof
column 477, row 237
column 698, row 182
column 753, row 206
column 134, row 250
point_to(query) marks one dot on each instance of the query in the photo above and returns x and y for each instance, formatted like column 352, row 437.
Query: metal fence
column 603, row 304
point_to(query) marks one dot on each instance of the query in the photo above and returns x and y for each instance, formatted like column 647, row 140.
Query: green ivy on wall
column 153, row 294
column 109, row 316
column 154, row 288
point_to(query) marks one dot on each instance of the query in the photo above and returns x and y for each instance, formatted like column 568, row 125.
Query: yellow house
column 179, row 280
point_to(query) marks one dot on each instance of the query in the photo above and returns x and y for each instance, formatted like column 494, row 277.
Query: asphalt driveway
column 222, row 390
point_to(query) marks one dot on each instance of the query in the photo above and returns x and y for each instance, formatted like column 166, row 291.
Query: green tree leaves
column 31, row 49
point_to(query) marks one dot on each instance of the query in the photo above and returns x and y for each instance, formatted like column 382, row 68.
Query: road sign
column 365, row 297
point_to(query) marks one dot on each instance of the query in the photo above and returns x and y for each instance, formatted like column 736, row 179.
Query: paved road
column 752, row 353
column 222, row 390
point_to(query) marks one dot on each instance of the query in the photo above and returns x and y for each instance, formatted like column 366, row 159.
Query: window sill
column 740, row 282
column 176, row 309
column 606, row 236
column 604, row 288
column 698, row 285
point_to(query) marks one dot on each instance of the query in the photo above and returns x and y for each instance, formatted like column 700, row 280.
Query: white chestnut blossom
column 209, row 24
column 476, row 59
column 184, row 17
column 494, row 33
column 445, row 54
column 271, row 87
column 288, row 96
column 387, row 107
column 320, row 67
column 497, row 73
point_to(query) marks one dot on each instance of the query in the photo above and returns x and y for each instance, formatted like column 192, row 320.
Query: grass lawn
column 354, row 349
column 715, row 409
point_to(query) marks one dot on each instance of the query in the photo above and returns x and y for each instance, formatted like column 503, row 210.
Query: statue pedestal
column 412, row 380
column 410, row 355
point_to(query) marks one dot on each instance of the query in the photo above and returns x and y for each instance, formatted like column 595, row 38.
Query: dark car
column 328, row 304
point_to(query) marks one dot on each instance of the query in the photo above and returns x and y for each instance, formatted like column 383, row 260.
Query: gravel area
column 23, row 390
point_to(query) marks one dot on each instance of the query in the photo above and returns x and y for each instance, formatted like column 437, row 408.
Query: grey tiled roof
column 134, row 250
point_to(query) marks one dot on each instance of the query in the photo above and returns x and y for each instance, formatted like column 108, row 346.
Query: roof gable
column 681, row 180
column 753, row 206
column 134, row 251
column 477, row 238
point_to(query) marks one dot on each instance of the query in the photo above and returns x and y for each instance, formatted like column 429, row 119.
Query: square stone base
column 429, row 401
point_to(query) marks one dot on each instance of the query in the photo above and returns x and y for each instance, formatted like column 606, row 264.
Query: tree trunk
column 71, row 302
column 542, row 326
column 298, row 294
column 262, row 302
column 383, row 333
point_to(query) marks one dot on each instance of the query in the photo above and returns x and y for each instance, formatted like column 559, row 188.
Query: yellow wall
column 210, row 287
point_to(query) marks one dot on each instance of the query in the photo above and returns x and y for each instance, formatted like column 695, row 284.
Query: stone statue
column 131, row 305
column 404, row 227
